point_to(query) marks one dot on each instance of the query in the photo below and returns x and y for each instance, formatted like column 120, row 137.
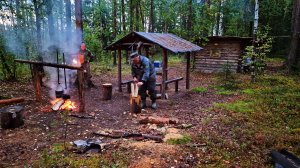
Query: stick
column 11, row 101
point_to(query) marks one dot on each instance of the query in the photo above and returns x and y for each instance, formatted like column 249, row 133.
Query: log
column 118, row 134
column 135, row 99
column 12, row 101
column 11, row 117
column 158, row 120
column 49, row 64
column 107, row 91
column 135, row 104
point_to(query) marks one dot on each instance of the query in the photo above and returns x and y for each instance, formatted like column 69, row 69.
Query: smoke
column 62, row 48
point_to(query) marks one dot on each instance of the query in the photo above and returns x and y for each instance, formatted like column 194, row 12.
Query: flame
column 55, row 101
column 75, row 61
column 66, row 105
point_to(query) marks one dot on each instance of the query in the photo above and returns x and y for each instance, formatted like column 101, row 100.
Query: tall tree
column 293, row 57
column 37, row 7
column 78, row 17
column 49, row 7
column 190, row 18
column 123, row 15
column 151, row 17
column 68, row 19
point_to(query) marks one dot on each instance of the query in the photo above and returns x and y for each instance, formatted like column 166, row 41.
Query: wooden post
column 119, row 70
column 164, row 73
column 188, row 64
column 176, row 86
column 37, row 82
column 127, row 54
column 147, row 51
column 80, row 76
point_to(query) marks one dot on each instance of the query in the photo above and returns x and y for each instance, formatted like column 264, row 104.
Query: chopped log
column 81, row 116
column 11, row 117
column 11, row 101
column 158, row 120
column 57, row 105
column 107, row 91
column 135, row 99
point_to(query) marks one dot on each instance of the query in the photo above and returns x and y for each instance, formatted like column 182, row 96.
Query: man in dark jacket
column 144, row 75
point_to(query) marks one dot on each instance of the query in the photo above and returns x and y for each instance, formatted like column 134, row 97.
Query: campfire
column 62, row 104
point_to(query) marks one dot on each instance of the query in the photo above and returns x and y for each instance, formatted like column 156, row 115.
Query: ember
column 62, row 104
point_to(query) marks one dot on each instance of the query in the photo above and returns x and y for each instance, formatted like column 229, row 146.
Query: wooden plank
column 49, row 64
column 164, row 72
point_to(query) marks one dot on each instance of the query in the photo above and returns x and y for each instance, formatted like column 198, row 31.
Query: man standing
column 85, row 57
column 144, row 75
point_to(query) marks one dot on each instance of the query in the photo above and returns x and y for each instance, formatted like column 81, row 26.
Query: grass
column 58, row 156
column 223, row 91
column 199, row 89
column 180, row 141
column 267, row 117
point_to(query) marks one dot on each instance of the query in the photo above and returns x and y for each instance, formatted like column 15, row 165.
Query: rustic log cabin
column 220, row 51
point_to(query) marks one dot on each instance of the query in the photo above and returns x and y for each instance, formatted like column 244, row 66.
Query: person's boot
column 153, row 105
column 143, row 104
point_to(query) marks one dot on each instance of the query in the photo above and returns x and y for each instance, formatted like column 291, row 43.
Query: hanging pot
column 59, row 91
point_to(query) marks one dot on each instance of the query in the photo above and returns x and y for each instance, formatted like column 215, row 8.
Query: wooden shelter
column 220, row 51
column 167, row 41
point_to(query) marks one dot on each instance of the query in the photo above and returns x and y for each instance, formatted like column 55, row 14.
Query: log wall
column 230, row 52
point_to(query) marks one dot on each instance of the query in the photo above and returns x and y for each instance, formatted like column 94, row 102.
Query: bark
column 68, row 15
column 142, row 16
column 78, row 16
column 137, row 18
column 293, row 57
column 37, row 7
column 256, row 17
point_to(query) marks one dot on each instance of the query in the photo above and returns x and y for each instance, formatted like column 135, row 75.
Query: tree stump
column 135, row 104
column 107, row 91
column 11, row 117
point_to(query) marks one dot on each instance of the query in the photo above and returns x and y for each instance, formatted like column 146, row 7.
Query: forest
column 235, row 102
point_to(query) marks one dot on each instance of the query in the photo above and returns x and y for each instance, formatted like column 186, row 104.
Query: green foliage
column 180, row 141
column 199, row 89
column 258, row 52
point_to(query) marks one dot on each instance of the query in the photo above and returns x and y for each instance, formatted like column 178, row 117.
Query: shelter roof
column 168, row 41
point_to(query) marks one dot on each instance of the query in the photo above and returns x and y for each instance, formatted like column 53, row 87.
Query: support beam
column 119, row 70
column 80, row 77
column 164, row 73
column 49, row 64
column 147, row 51
column 188, row 65
column 37, row 81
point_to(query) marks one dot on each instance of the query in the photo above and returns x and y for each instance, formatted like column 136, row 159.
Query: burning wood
column 62, row 104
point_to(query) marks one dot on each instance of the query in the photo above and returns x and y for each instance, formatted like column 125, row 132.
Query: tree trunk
column 37, row 8
column 78, row 16
column 68, row 19
column 137, row 21
column 114, row 18
column 123, row 16
column 256, row 17
column 131, row 13
column 151, row 17
column 142, row 17
column 190, row 15
column 293, row 57
column 50, row 21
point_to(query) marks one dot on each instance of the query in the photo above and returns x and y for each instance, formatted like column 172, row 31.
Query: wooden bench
column 176, row 80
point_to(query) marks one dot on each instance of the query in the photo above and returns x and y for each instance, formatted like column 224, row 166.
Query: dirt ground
column 43, row 127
